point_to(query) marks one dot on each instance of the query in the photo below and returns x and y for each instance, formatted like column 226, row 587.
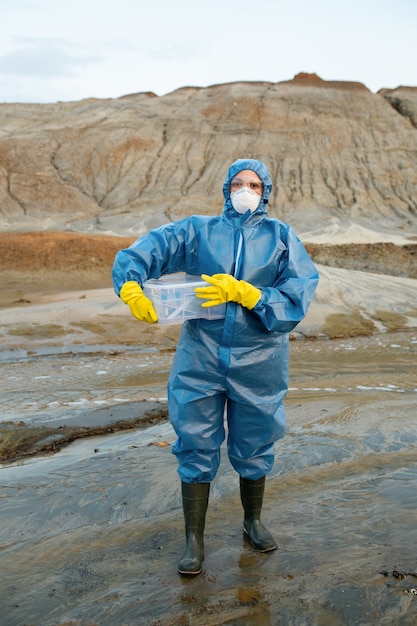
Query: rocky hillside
column 337, row 154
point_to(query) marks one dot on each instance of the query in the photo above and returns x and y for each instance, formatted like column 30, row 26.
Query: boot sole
column 185, row 573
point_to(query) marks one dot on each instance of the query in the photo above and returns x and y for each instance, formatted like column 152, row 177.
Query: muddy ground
column 91, row 534
column 91, row 531
column 75, row 260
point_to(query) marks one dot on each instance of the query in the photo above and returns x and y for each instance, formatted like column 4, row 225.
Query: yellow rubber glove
column 140, row 306
column 225, row 288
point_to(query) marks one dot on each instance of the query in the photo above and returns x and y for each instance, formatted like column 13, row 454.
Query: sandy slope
column 61, row 278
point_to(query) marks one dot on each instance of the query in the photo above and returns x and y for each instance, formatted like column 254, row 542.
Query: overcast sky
column 54, row 50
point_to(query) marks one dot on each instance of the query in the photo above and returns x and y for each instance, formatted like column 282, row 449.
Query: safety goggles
column 238, row 183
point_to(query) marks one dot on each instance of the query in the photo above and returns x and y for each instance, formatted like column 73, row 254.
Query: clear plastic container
column 174, row 299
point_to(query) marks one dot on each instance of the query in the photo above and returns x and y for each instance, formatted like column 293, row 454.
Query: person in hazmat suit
column 236, row 366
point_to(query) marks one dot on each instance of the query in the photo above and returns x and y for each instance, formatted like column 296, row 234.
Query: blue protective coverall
column 239, row 363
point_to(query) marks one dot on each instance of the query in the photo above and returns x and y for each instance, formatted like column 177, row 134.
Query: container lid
column 175, row 279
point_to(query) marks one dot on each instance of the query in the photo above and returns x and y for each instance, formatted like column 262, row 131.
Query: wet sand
column 92, row 534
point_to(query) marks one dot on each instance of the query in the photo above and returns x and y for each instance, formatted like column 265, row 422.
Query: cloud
column 176, row 51
column 45, row 58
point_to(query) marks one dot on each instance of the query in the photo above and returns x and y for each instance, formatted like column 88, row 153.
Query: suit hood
column 261, row 170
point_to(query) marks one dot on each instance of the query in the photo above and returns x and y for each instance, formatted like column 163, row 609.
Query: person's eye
column 255, row 186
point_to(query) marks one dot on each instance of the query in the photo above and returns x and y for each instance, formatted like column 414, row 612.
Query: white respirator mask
column 245, row 199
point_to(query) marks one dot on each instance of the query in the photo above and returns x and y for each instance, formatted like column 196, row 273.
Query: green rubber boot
column 251, row 495
column 195, row 498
